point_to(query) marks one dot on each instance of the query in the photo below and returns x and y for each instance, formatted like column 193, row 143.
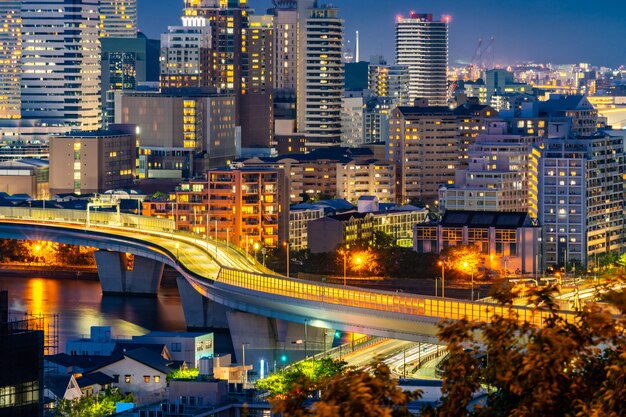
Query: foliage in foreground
column 349, row 392
column 99, row 405
column 314, row 372
column 566, row 368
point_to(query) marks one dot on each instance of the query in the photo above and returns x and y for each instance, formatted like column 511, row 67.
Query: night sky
column 557, row 31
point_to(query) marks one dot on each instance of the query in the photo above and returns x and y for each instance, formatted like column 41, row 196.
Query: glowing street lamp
column 443, row 285
column 286, row 245
column 344, row 252
column 256, row 250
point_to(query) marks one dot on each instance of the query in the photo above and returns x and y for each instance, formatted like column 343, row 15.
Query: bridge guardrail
column 402, row 304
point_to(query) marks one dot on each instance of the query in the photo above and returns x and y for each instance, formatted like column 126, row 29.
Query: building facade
column 182, row 132
column 422, row 46
column 390, row 81
column 299, row 219
column 320, row 75
column 118, row 18
column 62, row 102
column 510, row 242
column 93, row 162
column 581, row 198
column 185, row 54
column 10, row 56
column 423, row 145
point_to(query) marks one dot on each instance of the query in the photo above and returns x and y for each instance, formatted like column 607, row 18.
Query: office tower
column 320, row 81
column 61, row 64
column 422, row 45
column 389, row 81
column 257, row 115
column 185, row 54
column 423, row 145
column 10, row 56
column 118, row 18
column 286, row 44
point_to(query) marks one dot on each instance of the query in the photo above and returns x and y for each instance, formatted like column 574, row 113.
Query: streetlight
column 263, row 251
column 443, row 287
column 344, row 252
column 286, row 245
column 256, row 249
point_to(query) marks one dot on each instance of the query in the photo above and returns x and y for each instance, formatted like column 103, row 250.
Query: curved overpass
column 230, row 277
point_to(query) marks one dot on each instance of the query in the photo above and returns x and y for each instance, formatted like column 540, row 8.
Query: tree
column 99, row 405
column 350, row 392
column 464, row 258
column 565, row 368
column 312, row 373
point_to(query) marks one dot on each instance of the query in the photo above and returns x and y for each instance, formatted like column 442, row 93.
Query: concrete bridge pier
column 118, row 276
column 200, row 312
column 276, row 342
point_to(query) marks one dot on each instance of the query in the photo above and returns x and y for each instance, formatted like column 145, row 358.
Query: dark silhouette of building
column 21, row 364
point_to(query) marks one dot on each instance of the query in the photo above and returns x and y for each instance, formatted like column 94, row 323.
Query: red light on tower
column 446, row 18
column 398, row 17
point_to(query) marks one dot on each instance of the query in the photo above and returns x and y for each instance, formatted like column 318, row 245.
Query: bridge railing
column 402, row 304
column 95, row 218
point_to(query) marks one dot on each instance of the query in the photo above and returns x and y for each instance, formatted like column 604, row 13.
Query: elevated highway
column 230, row 277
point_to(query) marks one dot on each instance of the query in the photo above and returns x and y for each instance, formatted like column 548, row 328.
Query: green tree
column 99, row 405
column 312, row 372
column 574, row 367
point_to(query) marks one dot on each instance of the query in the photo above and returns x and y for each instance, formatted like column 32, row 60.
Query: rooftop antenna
column 357, row 47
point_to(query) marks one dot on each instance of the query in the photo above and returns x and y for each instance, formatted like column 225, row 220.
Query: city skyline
column 539, row 40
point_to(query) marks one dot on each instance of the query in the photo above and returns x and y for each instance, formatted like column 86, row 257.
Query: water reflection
column 80, row 305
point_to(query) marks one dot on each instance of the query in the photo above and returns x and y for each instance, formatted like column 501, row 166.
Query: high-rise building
column 228, row 62
column 423, row 145
column 422, row 45
column 257, row 115
column 320, row 81
column 285, row 44
column 61, row 64
column 118, row 18
column 185, row 53
column 10, row 56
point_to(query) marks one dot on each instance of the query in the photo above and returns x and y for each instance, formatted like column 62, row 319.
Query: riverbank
column 83, row 273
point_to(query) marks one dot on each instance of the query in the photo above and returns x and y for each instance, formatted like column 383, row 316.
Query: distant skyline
column 555, row 31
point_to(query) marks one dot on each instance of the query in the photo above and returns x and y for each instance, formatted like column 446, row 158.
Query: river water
column 80, row 304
